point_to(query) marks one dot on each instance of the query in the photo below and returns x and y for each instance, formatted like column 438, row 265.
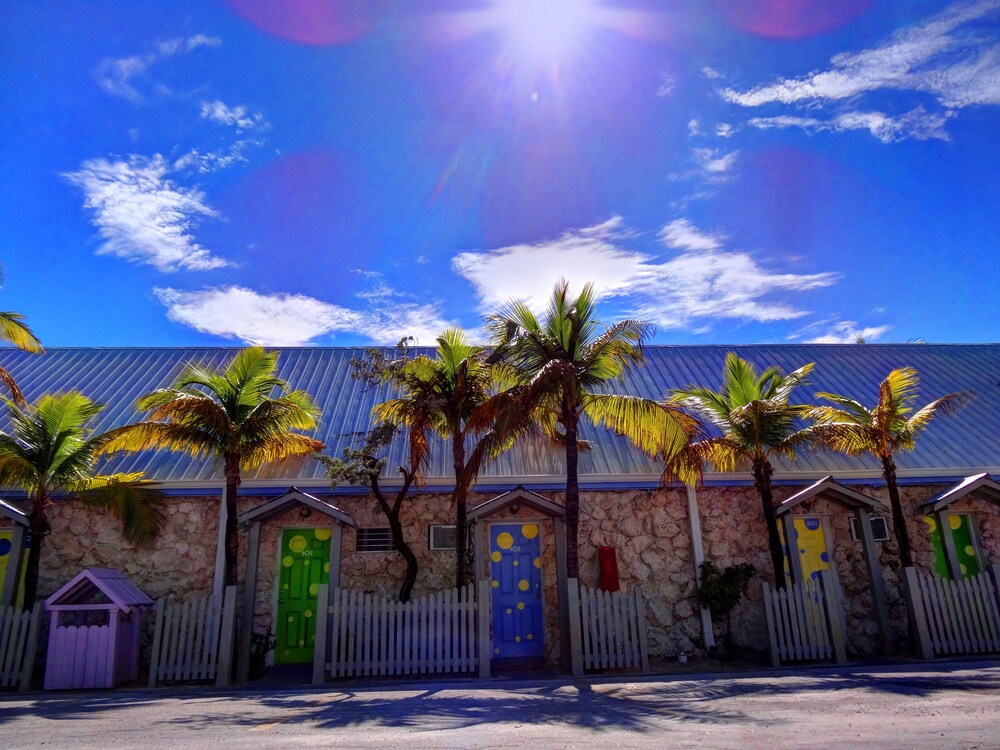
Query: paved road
column 951, row 705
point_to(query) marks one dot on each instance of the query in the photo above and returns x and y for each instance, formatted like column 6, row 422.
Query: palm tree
column 757, row 422
column 891, row 425
column 51, row 450
column 565, row 364
column 454, row 395
column 241, row 414
column 14, row 331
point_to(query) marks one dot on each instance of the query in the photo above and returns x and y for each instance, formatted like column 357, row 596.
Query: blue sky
column 343, row 172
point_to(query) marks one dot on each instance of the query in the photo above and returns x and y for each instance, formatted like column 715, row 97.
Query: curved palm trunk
column 898, row 519
column 572, row 498
column 232, row 538
column 392, row 513
column 38, row 526
column 461, row 511
column 762, row 472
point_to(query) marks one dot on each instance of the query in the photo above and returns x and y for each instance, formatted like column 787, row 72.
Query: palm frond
column 13, row 330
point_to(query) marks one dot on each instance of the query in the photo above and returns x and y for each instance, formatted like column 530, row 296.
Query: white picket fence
column 804, row 621
column 369, row 635
column 193, row 640
column 955, row 617
column 608, row 629
column 18, row 645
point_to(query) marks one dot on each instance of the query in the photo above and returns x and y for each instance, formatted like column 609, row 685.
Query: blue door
column 516, row 578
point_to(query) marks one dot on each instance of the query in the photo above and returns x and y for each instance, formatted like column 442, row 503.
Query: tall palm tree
column 565, row 364
column 891, row 425
column 241, row 414
column 51, row 450
column 14, row 331
column 452, row 394
column 756, row 421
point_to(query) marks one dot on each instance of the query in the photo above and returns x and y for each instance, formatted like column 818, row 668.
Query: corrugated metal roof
column 966, row 443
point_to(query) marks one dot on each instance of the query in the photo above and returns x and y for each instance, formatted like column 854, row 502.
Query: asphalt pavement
column 943, row 705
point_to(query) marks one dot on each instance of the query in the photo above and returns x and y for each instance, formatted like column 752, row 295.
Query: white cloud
column 236, row 312
column 681, row 234
column 953, row 56
column 142, row 216
column 694, row 127
column 838, row 332
column 237, row 116
column 667, row 85
column 213, row 161
column 116, row 76
column 703, row 281
column 918, row 124
column 712, row 166
column 711, row 73
column 725, row 130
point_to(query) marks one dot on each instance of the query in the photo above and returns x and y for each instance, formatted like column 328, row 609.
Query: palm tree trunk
column 898, row 519
column 572, row 498
column 232, row 539
column 38, row 527
column 461, row 511
column 762, row 472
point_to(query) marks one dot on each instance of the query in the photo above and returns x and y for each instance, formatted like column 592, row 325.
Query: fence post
column 640, row 611
column 831, row 609
column 575, row 630
column 154, row 659
column 223, row 673
column 322, row 634
column 30, row 648
column 772, row 633
column 918, row 617
column 483, row 602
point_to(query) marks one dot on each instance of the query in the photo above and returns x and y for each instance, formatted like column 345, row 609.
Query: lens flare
column 790, row 19
column 317, row 22
column 546, row 30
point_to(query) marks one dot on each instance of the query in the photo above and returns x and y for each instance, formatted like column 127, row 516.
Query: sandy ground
column 922, row 706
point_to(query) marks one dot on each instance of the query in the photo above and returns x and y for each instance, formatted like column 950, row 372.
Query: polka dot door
column 304, row 565
column 516, row 580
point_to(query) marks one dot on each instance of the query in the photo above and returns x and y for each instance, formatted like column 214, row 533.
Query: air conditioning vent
column 880, row 529
column 375, row 539
column 441, row 537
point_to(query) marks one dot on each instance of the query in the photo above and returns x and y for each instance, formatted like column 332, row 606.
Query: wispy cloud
column 142, row 215
column 667, row 85
column 118, row 76
column 235, row 312
column 917, row 123
column 702, row 280
column 709, row 166
column 953, row 56
column 834, row 331
column 213, row 161
column 236, row 116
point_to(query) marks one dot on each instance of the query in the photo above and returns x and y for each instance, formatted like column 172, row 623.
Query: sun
column 546, row 31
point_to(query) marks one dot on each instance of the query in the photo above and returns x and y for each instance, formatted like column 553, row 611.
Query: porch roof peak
column 978, row 485
column 830, row 489
column 294, row 497
column 521, row 496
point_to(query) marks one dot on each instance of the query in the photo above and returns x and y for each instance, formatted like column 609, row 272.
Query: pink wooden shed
column 94, row 631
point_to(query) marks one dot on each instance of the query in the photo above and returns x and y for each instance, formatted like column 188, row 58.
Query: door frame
column 539, row 522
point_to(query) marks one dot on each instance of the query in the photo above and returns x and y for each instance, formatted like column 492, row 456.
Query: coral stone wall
column 180, row 561
column 649, row 529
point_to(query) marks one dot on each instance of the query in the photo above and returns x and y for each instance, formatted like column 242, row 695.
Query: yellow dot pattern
column 287, row 561
column 297, row 544
column 323, row 534
column 520, row 605
column 496, row 556
column 495, row 584
column 955, row 521
column 313, row 589
column 538, row 563
column 523, row 585
column 505, row 540
column 529, row 530
column 931, row 523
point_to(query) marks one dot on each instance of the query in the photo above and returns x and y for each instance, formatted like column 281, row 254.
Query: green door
column 304, row 565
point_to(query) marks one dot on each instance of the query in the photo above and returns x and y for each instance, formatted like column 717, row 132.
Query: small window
column 442, row 537
column 880, row 528
column 375, row 539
